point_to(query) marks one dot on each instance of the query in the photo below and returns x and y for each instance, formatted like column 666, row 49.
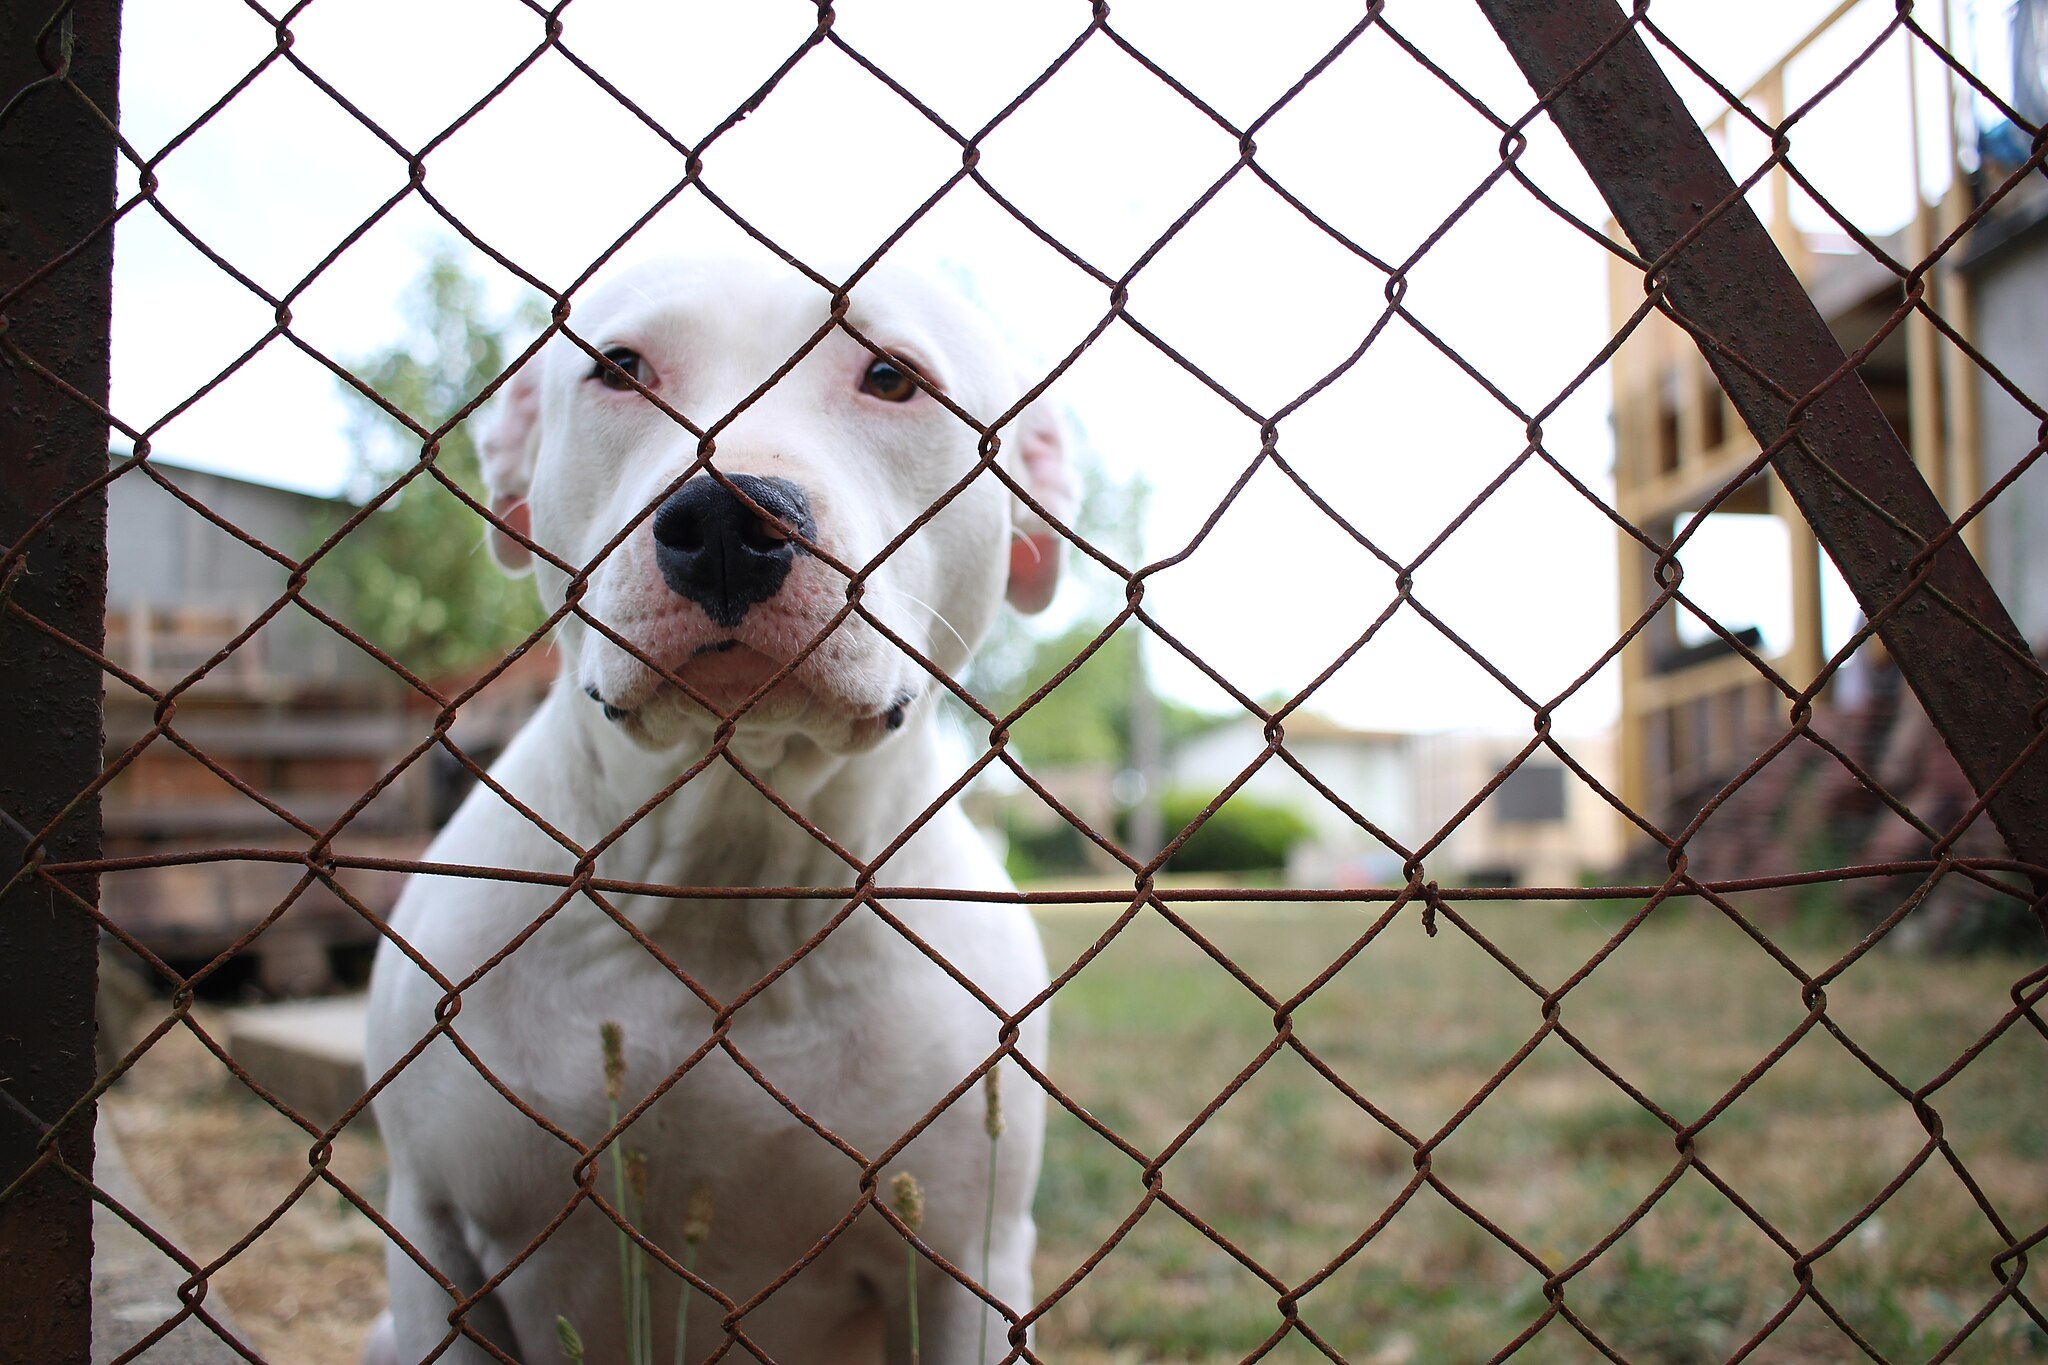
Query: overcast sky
column 1105, row 158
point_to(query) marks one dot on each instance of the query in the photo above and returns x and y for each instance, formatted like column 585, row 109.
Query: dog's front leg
column 418, row 1321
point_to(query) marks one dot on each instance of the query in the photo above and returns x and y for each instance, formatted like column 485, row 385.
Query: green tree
column 1090, row 716
column 415, row 578
column 1109, row 514
column 1093, row 715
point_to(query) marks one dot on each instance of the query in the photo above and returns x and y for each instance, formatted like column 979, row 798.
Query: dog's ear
column 1041, row 465
column 511, row 439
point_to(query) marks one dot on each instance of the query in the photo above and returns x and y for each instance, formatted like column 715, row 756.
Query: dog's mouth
column 726, row 673
column 735, row 677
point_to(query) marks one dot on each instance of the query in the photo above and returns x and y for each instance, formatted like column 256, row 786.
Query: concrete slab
column 135, row 1285
column 309, row 1053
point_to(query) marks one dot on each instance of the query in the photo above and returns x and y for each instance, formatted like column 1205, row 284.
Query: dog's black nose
column 718, row 552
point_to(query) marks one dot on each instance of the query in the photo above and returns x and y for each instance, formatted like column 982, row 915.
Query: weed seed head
column 613, row 1036
column 992, row 1096
column 572, row 1344
column 907, row 1198
column 697, row 1217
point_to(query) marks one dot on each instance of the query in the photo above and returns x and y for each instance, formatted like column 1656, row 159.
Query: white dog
column 866, row 1032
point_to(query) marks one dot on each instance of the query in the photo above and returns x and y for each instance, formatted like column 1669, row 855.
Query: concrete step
column 309, row 1053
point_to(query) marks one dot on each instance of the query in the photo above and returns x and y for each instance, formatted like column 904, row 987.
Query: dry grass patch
column 216, row 1162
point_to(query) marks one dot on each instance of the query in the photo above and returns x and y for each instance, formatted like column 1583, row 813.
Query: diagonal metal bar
column 1845, row 467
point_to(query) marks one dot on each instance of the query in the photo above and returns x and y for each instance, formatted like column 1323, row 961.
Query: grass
column 1557, row 1157
column 1292, row 1172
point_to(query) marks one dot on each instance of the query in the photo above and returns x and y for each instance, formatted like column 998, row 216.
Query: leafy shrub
column 1245, row 834
column 1056, row 850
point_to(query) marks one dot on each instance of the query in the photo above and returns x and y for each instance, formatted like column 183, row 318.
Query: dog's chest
column 715, row 1119
column 729, row 945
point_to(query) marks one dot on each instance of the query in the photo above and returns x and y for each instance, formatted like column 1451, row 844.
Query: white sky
column 1105, row 158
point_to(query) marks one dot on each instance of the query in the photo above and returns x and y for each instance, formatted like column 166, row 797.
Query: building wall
column 294, row 713
column 2010, row 286
column 1499, row 840
column 179, row 585
column 162, row 550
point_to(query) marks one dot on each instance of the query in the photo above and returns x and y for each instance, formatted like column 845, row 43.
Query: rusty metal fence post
column 57, row 148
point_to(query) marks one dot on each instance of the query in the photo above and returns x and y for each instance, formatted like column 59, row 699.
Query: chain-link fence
column 1617, row 1115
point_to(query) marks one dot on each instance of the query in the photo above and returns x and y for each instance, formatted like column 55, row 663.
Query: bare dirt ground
column 219, row 1168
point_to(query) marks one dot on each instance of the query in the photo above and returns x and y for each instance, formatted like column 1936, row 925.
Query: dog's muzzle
column 720, row 553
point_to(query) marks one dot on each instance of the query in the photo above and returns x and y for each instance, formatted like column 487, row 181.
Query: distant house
column 1368, row 770
column 1542, row 826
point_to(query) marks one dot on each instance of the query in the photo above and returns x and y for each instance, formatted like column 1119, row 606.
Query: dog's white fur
column 865, row 1033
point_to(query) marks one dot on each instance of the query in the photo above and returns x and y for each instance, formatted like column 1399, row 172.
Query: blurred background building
column 1694, row 711
column 296, row 714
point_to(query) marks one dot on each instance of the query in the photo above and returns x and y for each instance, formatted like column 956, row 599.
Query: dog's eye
column 626, row 365
column 889, row 382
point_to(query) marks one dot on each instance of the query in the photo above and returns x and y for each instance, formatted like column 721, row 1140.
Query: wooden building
column 293, row 717
column 1694, row 711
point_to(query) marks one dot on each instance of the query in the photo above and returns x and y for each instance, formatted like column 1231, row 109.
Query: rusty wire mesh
column 1951, row 847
